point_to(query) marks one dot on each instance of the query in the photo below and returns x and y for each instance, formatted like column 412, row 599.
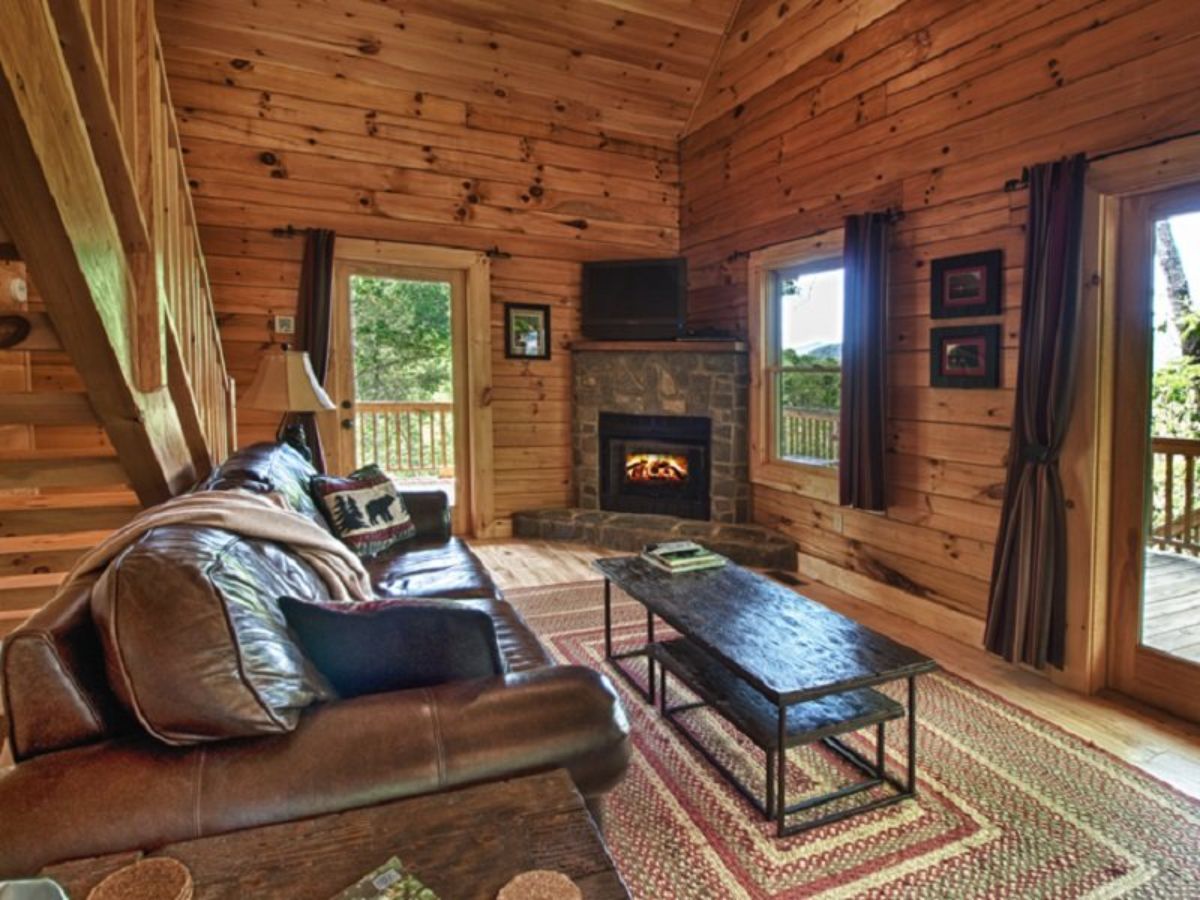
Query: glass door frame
column 469, row 274
column 1142, row 672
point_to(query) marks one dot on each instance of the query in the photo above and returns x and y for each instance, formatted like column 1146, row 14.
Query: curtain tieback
column 1038, row 454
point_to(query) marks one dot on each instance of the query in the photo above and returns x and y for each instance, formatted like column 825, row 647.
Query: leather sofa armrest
column 122, row 794
column 430, row 512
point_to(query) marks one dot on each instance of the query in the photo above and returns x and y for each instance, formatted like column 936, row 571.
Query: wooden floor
column 1164, row 746
column 1172, row 619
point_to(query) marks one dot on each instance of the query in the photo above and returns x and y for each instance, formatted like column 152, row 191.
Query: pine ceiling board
column 472, row 67
column 318, row 72
column 418, row 42
column 770, row 40
column 609, row 66
column 590, row 27
column 706, row 15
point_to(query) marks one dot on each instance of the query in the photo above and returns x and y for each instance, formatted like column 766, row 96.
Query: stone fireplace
column 662, row 428
column 655, row 464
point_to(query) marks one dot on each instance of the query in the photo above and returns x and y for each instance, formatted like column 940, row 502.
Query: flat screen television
column 634, row 299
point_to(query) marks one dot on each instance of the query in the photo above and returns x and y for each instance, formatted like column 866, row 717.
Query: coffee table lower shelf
column 776, row 729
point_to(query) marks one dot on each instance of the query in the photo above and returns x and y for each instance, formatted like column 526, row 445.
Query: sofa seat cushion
column 520, row 649
column 195, row 644
column 430, row 569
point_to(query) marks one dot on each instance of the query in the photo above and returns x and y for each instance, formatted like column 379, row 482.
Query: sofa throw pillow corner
column 364, row 509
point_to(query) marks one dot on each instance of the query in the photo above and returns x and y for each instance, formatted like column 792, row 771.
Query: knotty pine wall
column 275, row 141
column 929, row 107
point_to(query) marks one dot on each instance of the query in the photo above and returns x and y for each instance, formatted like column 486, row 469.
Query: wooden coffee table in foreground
column 464, row 845
column 783, row 669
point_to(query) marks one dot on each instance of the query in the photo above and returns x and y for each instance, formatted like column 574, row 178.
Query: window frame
column 767, row 467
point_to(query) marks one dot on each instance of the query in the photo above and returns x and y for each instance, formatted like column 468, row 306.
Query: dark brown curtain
column 313, row 316
column 864, row 363
column 1027, row 608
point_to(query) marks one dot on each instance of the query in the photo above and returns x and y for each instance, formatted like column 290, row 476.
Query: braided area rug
column 1009, row 805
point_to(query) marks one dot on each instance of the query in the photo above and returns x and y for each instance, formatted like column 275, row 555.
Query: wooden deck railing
column 407, row 440
column 1175, row 516
column 121, row 84
column 808, row 434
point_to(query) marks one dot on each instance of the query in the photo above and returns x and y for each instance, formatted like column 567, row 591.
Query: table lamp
column 285, row 383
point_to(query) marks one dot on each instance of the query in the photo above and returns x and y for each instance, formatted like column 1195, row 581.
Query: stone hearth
column 748, row 545
column 675, row 382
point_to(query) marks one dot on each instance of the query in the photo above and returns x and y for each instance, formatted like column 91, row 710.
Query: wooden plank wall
column 283, row 131
column 929, row 107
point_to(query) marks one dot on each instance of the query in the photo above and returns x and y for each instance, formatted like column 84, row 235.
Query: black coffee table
column 783, row 669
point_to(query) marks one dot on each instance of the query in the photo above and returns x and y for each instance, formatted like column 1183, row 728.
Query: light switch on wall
column 285, row 324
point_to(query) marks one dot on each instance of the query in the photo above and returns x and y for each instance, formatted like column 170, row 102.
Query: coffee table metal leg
column 614, row 659
column 912, row 735
column 649, row 653
column 879, row 754
column 781, row 775
column 770, row 806
column 662, row 690
column 607, row 619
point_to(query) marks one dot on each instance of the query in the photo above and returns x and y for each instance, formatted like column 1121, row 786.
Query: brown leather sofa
column 88, row 780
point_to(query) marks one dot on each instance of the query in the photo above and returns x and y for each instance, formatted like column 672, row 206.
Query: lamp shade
column 285, row 382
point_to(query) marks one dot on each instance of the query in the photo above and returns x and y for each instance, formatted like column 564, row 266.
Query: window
column 807, row 302
column 796, row 357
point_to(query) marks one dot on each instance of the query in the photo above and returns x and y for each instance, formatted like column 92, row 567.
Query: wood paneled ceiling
column 630, row 69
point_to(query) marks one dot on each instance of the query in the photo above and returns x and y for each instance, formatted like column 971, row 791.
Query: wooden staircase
column 113, row 387
column 62, row 487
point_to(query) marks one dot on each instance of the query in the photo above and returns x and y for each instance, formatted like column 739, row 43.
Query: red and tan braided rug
column 1010, row 805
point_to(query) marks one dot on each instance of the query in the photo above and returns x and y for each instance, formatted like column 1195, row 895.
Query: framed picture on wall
column 526, row 331
column 965, row 356
column 968, row 285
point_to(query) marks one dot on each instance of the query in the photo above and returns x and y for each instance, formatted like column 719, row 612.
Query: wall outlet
column 285, row 324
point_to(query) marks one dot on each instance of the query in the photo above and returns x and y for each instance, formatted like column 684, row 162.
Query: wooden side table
column 464, row 845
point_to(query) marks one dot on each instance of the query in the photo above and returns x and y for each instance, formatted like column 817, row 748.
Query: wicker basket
column 540, row 884
column 147, row 879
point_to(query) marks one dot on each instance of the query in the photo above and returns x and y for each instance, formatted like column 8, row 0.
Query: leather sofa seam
column 439, row 748
column 201, row 756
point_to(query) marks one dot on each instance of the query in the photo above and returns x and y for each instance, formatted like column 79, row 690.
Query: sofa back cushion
column 195, row 645
column 269, row 468
column 52, row 674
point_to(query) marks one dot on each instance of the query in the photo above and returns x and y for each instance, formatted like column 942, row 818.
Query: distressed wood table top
column 789, row 647
column 464, row 845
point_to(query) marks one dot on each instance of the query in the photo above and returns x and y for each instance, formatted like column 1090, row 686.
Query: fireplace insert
column 655, row 464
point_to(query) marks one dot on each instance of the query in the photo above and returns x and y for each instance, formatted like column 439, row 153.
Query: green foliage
column 810, row 400
column 819, row 388
column 1176, row 399
column 402, row 347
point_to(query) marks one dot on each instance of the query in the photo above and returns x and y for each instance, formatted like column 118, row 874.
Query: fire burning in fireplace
column 655, row 467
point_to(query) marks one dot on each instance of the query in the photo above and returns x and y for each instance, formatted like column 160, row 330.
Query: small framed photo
column 965, row 356
column 526, row 331
column 969, row 285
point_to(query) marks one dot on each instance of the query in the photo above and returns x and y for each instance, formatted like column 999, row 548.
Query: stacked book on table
column 681, row 556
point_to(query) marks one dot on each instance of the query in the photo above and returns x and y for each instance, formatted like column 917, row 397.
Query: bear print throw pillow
column 364, row 509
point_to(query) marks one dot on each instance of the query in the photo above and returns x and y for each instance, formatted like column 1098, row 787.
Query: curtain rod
column 1017, row 184
column 894, row 214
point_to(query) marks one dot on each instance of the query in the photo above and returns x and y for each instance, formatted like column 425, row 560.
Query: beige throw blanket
column 262, row 516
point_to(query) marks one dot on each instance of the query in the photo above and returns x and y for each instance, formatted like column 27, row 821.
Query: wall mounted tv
column 634, row 299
